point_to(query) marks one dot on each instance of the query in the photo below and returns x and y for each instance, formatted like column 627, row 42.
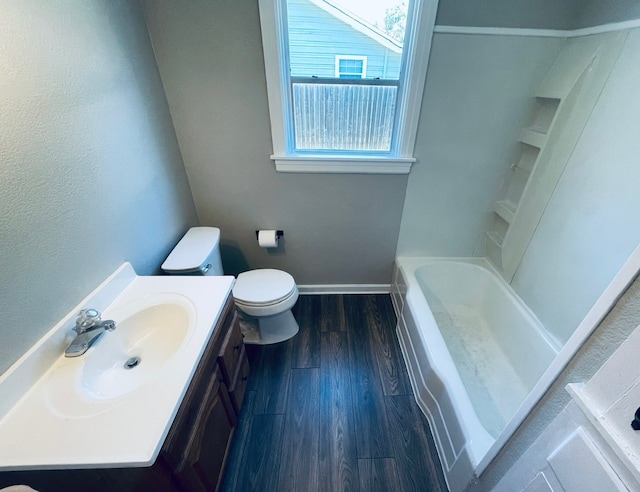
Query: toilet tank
column 197, row 253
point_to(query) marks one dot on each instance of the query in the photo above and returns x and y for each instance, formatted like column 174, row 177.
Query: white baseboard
column 345, row 289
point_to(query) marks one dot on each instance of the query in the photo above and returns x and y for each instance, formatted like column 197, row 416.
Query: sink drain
column 131, row 363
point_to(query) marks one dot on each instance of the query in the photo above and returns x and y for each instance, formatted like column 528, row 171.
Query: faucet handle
column 86, row 319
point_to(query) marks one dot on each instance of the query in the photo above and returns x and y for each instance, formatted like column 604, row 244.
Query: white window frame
column 420, row 25
column 339, row 58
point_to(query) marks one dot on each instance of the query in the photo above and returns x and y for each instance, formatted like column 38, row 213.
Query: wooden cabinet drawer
column 230, row 352
column 176, row 441
column 208, row 442
column 239, row 384
column 204, row 376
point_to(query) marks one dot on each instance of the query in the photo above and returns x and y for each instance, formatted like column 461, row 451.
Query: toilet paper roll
column 268, row 239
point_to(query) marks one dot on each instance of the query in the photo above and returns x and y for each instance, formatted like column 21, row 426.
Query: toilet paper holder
column 279, row 234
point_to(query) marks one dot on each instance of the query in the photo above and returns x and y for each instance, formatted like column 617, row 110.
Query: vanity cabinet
column 234, row 365
column 197, row 444
column 201, row 461
column 193, row 454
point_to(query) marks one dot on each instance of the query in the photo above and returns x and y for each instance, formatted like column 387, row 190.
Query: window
column 344, row 92
column 351, row 67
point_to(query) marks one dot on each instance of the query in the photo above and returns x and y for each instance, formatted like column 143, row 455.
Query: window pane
column 343, row 116
column 345, row 39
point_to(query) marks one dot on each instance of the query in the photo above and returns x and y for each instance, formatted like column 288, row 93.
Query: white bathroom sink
column 149, row 333
column 142, row 344
column 90, row 411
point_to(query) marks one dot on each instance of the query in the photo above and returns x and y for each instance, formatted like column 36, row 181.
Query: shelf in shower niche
column 506, row 210
column 528, row 158
column 545, row 112
column 493, row 247
column 495, row 238
column 533, row 138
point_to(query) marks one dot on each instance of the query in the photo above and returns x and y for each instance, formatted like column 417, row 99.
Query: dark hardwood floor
column 332, row 409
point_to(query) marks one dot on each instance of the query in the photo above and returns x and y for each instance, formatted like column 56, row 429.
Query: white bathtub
column 473, row 351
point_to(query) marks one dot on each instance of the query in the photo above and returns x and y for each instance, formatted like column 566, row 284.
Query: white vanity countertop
column 123, row 431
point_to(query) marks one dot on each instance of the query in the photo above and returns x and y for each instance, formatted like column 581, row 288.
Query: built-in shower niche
column 559, row 112
column 530, row 142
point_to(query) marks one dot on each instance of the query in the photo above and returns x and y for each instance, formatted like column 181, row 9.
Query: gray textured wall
column 540, row 14
column 90, row 171
column 598, row 12
column 339, row 229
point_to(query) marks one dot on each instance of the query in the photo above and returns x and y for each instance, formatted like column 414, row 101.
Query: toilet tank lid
column 193, row 250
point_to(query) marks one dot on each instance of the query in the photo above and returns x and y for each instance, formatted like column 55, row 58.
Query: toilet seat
column 240, row 302
column 263, row 287
column 265, row 292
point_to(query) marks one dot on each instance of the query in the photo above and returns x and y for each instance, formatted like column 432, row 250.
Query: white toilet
column 264, row 297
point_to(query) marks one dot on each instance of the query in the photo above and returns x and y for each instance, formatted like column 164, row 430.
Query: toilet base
column 268, row 329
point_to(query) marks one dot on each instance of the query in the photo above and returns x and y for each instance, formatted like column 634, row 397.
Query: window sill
column 343, row 165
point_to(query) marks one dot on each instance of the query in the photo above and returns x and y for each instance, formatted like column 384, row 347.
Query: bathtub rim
column 502, row 284
column 614, row 290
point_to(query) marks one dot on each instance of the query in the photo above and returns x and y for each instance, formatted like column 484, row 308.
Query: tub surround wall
column 590, row 225
column 478, row 96
column 90, row 172
column 210, row 58
column 542, row 235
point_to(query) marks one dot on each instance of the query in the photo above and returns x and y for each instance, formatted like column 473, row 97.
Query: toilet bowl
column 266, row 297
column 263, row 297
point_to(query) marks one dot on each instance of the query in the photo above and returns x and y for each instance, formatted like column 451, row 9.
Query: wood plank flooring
column 332, row 409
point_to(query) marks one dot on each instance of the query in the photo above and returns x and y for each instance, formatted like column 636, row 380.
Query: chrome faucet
column 88, row 329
